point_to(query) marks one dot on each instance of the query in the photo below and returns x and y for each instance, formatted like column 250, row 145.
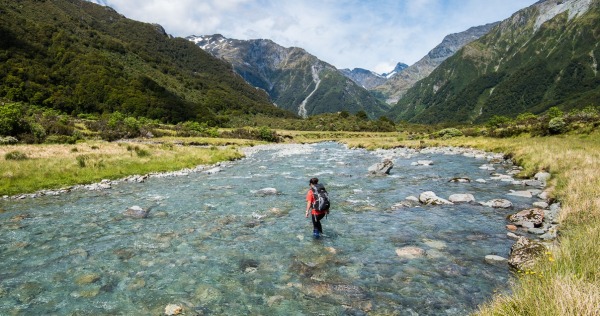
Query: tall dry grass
column 569, row 283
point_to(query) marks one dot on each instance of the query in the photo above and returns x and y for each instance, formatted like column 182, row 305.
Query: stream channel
column 216, row 246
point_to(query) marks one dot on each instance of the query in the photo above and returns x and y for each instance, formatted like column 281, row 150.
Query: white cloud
column 371, row 34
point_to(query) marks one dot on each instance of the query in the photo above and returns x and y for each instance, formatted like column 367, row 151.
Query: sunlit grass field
column 56, row 166
column 565, row 282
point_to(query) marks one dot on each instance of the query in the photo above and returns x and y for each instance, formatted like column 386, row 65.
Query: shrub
column 15, row 155
column 557, row 125
column 8, row 140
column 448, row 133
column 554, row 112
column 61, row 139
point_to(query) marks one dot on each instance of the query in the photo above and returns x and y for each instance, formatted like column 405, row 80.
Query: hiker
column 317, row 203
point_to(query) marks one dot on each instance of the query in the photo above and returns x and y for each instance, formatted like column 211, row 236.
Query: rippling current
column 215, row 246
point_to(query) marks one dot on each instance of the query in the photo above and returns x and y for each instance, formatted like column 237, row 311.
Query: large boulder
column 429, row 198
column 529, row 218
column 382, row 168
column 542, row 176
column 524, row 253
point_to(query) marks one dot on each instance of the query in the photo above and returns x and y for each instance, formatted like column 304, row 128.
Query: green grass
column 56, row 166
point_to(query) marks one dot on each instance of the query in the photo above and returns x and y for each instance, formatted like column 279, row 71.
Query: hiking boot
column 316, row 234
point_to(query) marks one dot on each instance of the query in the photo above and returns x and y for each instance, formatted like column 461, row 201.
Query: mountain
column 82, row 58
column 542, row 56
column 295, row 80
column 364, row 77
column 397, row 84
column 399, row 68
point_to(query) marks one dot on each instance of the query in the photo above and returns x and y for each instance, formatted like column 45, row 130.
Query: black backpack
column 321, row 198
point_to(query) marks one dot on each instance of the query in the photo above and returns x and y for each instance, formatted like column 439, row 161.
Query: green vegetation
column 57, row 166
column 100, row 63
column 512, row 70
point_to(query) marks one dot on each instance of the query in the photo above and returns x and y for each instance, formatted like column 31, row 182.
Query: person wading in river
column 317, row 203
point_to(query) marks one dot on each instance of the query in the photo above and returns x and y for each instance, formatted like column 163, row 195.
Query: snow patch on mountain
column 550, row 9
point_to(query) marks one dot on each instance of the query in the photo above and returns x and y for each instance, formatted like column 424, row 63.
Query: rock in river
column 382, row 168
column 136, row 212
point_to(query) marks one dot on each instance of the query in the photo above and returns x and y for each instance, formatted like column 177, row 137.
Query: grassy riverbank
column 29, row 168
column 565, row 282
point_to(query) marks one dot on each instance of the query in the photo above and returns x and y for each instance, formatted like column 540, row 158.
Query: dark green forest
column 81, row 58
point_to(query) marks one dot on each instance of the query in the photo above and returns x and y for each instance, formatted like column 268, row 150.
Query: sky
column 370, row 34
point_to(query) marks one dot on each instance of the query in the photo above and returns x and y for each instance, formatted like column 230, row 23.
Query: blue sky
column 373, row 34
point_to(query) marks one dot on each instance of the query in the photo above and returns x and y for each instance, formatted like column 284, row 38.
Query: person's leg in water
column 317, row 229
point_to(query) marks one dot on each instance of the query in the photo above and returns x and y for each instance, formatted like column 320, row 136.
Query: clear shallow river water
column 214, row 246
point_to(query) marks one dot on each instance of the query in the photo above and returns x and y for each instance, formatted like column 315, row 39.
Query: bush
column 448, row 133
column 61, row 139
column 557, row 125
column 8, row 140
column 15, row 155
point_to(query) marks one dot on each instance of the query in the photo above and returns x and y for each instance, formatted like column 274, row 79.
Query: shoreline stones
column 524, row 253
column 529, row 218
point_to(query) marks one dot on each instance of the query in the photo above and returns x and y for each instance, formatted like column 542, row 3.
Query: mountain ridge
column 542, row 56
column 295, row 80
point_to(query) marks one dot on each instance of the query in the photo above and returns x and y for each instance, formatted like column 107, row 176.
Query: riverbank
column 567, row 283
column 26, row 169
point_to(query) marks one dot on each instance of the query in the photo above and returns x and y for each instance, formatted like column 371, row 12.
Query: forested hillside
column 543, row 56
column 81, row 58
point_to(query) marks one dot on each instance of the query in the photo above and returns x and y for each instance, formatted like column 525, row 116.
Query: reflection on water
column 215, row 246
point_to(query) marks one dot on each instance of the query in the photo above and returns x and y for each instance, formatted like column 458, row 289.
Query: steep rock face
column 294, row 79
column 397, row 85
column 542, row 56
column 364, row 77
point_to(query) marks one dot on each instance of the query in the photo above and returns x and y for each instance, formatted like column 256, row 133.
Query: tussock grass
column 570, row 282
column 56, row 166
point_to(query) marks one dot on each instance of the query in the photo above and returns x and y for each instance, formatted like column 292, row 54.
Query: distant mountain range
column 369, row 79
column 295, row 80
column 542, row 56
